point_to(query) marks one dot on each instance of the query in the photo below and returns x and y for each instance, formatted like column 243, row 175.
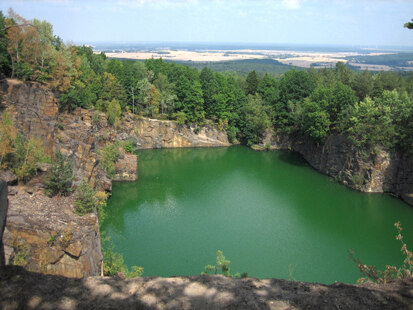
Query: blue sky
column 345, row 22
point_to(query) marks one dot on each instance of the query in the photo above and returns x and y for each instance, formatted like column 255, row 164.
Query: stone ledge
column 20, row 289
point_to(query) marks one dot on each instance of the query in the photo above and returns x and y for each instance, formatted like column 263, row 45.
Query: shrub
column 101, row 198
column 107, row 158
column 21, row 251
column 28, row 154
column 113, row 111
column 85, row 198
column 96, row 118
column 180, row 117
column 60, row 176
column 391, row 272
column 222, row 267
column 113, row 262
column 129, row 146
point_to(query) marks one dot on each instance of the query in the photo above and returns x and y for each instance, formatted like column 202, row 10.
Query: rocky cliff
column 367, row 170
column 43, row 234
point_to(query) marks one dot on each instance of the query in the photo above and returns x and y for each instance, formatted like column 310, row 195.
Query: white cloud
column 291, row 4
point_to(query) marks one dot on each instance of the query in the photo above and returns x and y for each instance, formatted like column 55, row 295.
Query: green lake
column 271, row 214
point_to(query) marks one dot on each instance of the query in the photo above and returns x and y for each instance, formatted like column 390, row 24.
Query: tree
column 5, row 67
column 251, row 83
column 154, row 101
column 85, row 198
column 190, row 99
column 60, row 176
column 113, row 111
column 254, row 119
column 28, row 154
column 409, row 25
column 316, row 121
column 294, row 87
column 363, row 84
column 368, row 123
column 209, row 89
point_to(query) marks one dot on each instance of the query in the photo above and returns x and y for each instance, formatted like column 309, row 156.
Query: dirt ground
column 20, row 289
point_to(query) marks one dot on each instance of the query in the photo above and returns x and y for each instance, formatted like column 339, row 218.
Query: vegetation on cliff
column 369, row 109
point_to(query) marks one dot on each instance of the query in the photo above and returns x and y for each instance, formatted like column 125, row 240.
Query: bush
column 60, row 176
column 96, row 118
column 129, row 146
column 222, row 267
column 108, row 157
column 28, row 154
column 113, row 262
column 180, row 117
column 101, row 198
column 85, row 198
column 113, row 111
column 373, row 274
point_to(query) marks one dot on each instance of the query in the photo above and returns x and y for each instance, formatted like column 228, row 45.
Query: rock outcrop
column 368, row 170
column 44, row 235
column 155, row 134
column 20, row 289
column 4, row 204
column 34, row 110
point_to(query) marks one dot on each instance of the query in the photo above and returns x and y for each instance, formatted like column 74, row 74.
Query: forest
column 370, row 109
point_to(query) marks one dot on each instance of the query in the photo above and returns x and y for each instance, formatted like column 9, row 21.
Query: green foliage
column 96, row 118
column 108, row 156
column 52, row 239
column 26, row 158
column 255, row 119
column 113, row 262
column 371, row 273
column 129, row 146
column 180, row 117
column 409, row 25
column 85, row 198
column 60, row 176
column 294, row 87
column 21, row 251
column 101, row 198
column 113, row 111
column 222, row 267
column 316, row 121
column 358, row 179
column 368, row 123
column 251, row 83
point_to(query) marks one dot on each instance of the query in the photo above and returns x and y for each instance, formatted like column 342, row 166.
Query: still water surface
column 269, row 212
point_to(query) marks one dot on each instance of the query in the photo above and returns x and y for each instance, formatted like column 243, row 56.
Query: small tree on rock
column 85, row 198
column 60, row 176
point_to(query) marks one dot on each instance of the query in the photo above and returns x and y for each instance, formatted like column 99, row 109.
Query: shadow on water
column 292, row 158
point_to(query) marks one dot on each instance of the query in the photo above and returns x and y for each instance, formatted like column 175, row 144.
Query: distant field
column 396, row 61
column 272, row 61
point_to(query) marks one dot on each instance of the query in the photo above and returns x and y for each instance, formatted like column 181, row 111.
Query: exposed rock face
column 44, row 235
column 20, row 289
column 126, row 167
column 34, row 110
column 367, row 170
column 4, row 204
column 154, row 134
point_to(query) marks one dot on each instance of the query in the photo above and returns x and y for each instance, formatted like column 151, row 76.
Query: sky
column 325, row 22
